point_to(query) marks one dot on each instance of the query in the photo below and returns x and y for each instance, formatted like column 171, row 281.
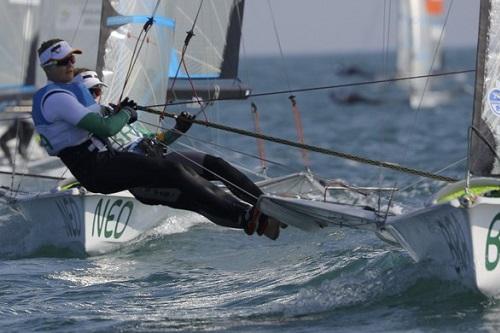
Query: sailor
column 210, row 167
column 71, row 127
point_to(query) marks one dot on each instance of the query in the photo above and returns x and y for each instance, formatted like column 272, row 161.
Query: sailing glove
column 129, row 106
column 183, row 121
column 128, row 102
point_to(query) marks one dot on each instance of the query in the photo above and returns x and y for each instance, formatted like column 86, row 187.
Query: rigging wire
column 135, row 53
column 284, row 166
column 317, row 149
column 79, row 22
column 385, row 51
column 333, row 86
column 278, row 40
column 189, row 35
column 419, row 107
column 295, row 109
column 27, row 31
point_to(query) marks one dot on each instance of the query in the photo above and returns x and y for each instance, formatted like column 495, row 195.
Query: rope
column 299, row 129
column 136, row 52
column 204, row 141
column 30, row 175
column 421, row 99
column 343, row 85
column 321, row 150
column 260, row 142
column 79, row 22
column 189, row 35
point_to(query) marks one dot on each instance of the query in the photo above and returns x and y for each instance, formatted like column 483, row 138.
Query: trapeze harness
column 103, row 170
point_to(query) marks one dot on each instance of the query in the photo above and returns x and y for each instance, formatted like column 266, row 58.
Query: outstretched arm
column 104, row 127
column 183, row 123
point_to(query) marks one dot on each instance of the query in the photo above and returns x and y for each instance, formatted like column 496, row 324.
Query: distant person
column 23, row 130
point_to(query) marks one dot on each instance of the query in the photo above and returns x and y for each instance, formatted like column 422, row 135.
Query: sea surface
column 193, row 276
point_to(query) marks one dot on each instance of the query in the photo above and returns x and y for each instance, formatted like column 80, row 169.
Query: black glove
column 128, row 102
column 183, row 123
column 129, row 106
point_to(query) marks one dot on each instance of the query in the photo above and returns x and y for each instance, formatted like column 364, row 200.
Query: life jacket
column 57, row 135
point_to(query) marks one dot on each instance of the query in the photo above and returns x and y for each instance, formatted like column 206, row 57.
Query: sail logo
column 494, row 100
column 70, row 216
column 492, row 254
column 111, row 219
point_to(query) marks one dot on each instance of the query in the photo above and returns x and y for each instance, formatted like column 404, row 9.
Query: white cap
column 57, row 51
column 89, row 79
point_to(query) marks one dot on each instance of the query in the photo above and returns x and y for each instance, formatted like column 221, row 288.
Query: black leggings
column 216, row 169
column 153, row 181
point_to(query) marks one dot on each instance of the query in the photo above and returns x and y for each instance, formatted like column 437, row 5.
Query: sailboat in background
column 419, row 50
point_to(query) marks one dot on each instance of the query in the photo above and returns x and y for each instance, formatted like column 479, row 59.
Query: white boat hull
column 88, row 223
column 461, row 240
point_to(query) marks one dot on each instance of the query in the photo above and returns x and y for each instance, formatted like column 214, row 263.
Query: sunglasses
column 62, row 62
column 96, row 91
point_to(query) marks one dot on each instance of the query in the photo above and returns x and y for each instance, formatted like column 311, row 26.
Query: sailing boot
column 250, row 220
column 255, row 220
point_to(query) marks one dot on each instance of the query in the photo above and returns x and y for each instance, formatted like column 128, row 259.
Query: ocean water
column 191, row 276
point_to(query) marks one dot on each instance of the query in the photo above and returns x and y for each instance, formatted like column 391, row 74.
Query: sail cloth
column 419, row 52
column 212, row 55
column 122, row 24
column 484, row 147
column 76, row 21
column 419, row 32
column 19, row 38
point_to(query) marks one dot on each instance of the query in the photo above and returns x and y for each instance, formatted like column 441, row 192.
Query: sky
column 332, row 26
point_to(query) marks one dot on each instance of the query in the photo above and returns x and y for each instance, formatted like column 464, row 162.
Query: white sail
column 75, row 21
column 212, row 54
column 419, row 52
column 121, row 26
column 485, row 146
column 18, row 35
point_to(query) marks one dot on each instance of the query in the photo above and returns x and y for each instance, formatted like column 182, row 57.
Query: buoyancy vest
column 59, row 134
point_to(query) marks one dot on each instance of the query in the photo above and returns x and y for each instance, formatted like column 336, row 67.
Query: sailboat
column 419, row 51
column 458, row 230
column 67, row 216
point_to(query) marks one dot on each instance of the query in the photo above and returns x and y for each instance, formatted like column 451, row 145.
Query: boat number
column 493, row 244
column 112, row 220
column 70, row 216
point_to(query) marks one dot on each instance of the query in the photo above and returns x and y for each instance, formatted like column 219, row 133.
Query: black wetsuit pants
column 154, row 181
